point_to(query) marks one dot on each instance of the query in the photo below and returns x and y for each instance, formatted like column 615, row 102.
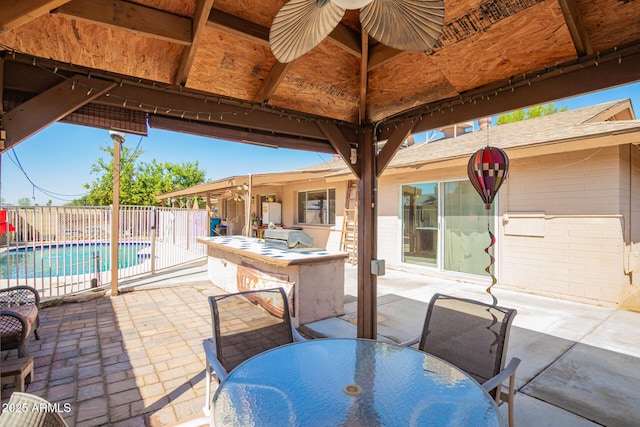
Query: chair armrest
column 212, row 359
column 502, row 375
column 296, row 335
column 411, row 342
column 18, row 316
column 26, row 295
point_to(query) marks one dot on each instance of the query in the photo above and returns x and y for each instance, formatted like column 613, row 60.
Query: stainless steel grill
column 287, row 239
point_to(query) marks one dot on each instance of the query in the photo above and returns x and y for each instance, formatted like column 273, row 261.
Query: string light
column 615, row 54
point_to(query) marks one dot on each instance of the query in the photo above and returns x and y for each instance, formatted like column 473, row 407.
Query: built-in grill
column 287, row 239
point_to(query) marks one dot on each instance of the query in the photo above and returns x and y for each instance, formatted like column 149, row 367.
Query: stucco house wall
column 567, row 218
column 633, row 153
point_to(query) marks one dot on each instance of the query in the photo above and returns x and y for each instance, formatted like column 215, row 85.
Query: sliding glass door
column 465, row 229
column 420, row 223
column 445, row 226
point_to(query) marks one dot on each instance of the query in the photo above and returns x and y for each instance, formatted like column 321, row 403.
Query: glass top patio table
column 350, row 382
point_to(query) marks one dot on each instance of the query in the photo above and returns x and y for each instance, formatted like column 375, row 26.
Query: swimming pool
column 67, row 259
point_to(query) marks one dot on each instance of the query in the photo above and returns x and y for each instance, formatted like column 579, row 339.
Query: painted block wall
column 630, row 195
column 581, row 253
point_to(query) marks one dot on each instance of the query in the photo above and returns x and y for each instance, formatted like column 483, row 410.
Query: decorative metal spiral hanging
column 487, row 170
column 491, row 262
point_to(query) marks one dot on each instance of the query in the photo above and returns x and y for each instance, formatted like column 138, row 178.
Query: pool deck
column 136, row 359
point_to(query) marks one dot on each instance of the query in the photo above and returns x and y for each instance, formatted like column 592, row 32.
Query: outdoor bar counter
column 312, row 278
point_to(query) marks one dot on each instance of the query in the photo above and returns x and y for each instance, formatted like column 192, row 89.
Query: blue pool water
column 68, row 259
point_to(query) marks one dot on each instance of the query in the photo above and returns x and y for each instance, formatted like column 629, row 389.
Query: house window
column 317, row 207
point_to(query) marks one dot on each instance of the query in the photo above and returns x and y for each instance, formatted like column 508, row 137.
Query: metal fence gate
column 62, row 250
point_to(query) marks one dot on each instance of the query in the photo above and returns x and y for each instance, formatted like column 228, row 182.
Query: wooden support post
column 2, row 131
column 115, row 211
column 367, row 237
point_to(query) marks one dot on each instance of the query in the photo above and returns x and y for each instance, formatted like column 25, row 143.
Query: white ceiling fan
column 300, row 25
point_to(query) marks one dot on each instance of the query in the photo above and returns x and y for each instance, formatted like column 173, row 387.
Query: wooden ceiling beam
column 381, row 54
column 238, row 27
column 19, row 12
column 230, row 24
column 176, row 104
column 342, row 36
column 131, row 17
column 50, row 106
column 590, row 74
column 347, row 39
column 362, row 110
column 26, row 78
column 578, row 32
column 396, row 138
column 20, row 75
column 271, row 82
column 200, row 19
column 228, row 133
column 341, row 146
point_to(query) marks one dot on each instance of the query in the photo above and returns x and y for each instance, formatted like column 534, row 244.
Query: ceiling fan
column 300, row 25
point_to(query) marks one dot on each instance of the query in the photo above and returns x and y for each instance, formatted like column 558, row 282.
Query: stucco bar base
column 314, row 280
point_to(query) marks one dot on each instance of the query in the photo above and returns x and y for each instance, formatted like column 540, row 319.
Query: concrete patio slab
column 594, row 383
column 531, row 412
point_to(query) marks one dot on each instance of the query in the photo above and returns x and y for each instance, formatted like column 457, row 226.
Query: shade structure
column 487, row 170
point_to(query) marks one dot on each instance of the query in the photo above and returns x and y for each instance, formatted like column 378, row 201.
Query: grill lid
column 290, row 238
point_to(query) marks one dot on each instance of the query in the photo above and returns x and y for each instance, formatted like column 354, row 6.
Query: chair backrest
column 248, row 323
column 19, row 295
column 469, row 334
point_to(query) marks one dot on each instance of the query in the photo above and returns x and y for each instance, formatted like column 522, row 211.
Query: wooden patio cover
column 205, row 67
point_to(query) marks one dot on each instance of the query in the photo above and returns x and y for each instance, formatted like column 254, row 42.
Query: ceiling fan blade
column 404, row 24
column 300, row 25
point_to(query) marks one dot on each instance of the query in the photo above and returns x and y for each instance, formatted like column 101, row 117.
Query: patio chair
column 244, row 325
column 39, row 412
column 474, row 337
column 15, row 330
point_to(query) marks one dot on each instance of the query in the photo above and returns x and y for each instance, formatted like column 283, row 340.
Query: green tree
column 529, row 113
column 82, row 201
column 24, row 201
column 140, row 182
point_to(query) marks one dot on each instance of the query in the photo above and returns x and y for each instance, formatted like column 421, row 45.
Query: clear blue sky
column 59, row 158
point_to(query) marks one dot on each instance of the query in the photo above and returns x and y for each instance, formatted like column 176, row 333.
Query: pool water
column 66, row 260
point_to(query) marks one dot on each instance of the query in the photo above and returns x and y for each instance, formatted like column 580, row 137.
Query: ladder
column 349, row 237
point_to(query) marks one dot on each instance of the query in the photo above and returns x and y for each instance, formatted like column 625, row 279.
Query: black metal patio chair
column 245, row 324
column 474, row 337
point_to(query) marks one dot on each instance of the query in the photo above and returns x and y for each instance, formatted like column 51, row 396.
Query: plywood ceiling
column 202, row 53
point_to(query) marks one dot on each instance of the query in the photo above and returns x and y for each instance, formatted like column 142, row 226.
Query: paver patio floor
column 131, row 360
